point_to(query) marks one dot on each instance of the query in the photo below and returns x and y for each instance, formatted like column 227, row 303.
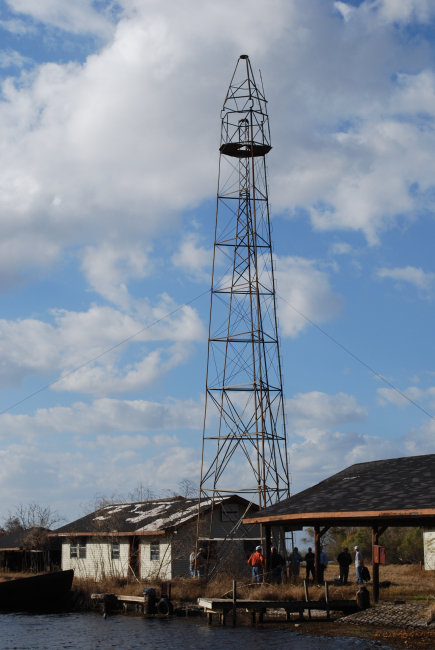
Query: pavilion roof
column 395, row 488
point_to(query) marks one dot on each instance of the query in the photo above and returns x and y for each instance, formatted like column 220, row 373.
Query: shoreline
column 397, row 638
column 408, row 582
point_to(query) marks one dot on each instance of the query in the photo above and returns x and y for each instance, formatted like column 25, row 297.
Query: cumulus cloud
column 12, row 58
column 34, row 347
column 77, row 17
column 425, row 282
column 302, row 284
column 102, row 157
column 414, row 393
column 70, row 479
column 193, row 259
column 403, row 10
column 341, row 248
column 345, row 10
column 421, row 440
column 109, row 266
column 104, row 416
column 86, row 152
column 316, row 409
column 319, row 455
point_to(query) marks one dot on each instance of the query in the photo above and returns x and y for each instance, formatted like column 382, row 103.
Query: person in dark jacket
column 294, row 562
column 276, row 564
column 344, row 559
column 309, row 560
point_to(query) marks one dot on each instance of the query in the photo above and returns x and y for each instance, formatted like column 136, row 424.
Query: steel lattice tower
column 244, row 419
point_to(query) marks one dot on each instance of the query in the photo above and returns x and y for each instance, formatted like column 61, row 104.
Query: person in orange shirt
column 256, row 561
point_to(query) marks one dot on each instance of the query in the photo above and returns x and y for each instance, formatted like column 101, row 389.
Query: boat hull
column 37, row 592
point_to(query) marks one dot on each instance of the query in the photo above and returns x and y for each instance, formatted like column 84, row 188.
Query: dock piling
column 234, row 603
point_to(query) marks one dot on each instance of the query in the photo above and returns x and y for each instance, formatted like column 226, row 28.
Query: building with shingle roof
column 154, row 537
column 378, row 494
column 29, row 549
column 395, row 489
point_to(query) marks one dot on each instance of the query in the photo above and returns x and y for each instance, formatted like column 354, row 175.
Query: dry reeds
column 408, row 582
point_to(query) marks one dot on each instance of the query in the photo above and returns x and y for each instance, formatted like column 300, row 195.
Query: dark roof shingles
column 396, row 484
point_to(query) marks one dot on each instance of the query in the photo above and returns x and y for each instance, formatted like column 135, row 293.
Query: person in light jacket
column 359, row 565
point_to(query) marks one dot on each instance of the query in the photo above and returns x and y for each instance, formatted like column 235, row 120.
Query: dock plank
column 218, row 604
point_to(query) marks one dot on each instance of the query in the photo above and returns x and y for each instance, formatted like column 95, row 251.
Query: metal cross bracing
column 244, row 438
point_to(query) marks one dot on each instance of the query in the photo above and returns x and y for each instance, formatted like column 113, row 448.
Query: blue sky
column 109, row 115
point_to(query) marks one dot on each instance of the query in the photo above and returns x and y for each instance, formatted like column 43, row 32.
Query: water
column 90, row 631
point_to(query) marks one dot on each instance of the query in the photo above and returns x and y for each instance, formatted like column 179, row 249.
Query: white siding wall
column 98, row 562
column 155, row 568
column 429, row 548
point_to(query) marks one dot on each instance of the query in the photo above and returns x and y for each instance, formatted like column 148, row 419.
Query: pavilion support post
column 267, row 546
column 375, row 565
column 376, row 533
column 317, row 552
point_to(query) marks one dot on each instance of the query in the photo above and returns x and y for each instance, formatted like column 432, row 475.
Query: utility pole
column 244, row 447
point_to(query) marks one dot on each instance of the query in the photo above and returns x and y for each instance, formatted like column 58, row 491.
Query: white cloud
column 77, row 17
column 123, row 442
column 19, row 27
column 308, row 289
column 109, row 267
column 104, row 416
column 193, row 259
column 414, row 393
column 318, row 456
column 103, row 380
column 316, row 409
column 345, row 10
column 403, row 10
column 12, row 58
column 341, row 248
column 34, row 347
column 86, row 152
column 425, row 282
column 421, row 440
column 71, row 479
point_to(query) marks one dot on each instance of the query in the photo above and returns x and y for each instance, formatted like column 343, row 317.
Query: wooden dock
column 222, row 606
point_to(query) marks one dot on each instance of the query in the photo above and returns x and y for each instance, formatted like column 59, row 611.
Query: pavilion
column 378, row 494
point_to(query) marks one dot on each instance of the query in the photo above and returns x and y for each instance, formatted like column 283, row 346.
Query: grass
column 408, row 582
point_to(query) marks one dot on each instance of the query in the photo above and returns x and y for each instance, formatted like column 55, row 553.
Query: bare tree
column 12, row 525
column 186, row 488
column 35, row 522
column 141, row 493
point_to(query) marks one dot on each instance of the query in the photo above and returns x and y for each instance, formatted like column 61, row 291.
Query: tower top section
column 245, row 123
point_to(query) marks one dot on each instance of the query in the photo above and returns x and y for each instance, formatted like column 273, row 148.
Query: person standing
column 359, row 565
column 294, row 561
column 256, row 561
column 309, row 561
column 276, row 564
column 344, row 559
column 323, row 564
column 192, row 564
column 200, row 563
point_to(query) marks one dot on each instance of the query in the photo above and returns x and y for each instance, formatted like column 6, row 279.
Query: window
column 230, row 512
column 78, row 549
column 155, row 551
column 82, row 549
column 115, row 551
column 73, row 549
